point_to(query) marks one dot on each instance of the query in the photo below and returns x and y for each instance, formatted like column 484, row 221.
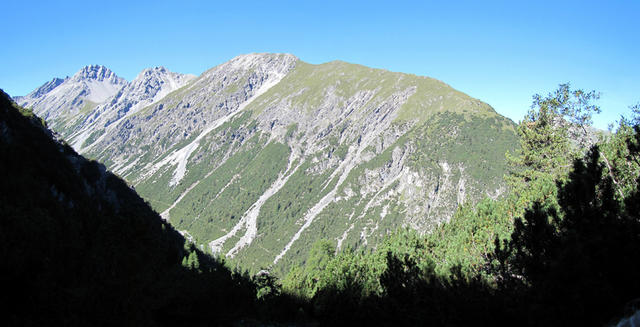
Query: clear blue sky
column 499, row 52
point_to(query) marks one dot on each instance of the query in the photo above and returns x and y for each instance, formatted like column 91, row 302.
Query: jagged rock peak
column 154, row 78
column 47, row 87
column 154, row 70
column 99, row 73
column 157, row 72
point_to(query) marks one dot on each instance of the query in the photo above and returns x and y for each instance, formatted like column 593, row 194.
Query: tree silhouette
column 579, row 265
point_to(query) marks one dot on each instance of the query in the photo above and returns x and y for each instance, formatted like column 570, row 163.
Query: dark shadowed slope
column 80, row 247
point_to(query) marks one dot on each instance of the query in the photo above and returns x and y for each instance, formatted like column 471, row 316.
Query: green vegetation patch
column 477, row 142
column 218, row 202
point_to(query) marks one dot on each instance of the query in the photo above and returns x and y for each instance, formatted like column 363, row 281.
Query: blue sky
column 500, row 52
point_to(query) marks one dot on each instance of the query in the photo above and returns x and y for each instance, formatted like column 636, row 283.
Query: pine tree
column 546, row 135
column 620, row 154
column 193, row 262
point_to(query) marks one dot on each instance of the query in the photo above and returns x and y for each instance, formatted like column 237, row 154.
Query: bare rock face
column 61, row 99
column 260, row 156
column 148, row 87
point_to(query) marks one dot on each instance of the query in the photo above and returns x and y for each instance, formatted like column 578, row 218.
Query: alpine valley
column 258, row 158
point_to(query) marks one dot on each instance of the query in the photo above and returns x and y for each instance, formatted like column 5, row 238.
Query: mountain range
column 259, row 157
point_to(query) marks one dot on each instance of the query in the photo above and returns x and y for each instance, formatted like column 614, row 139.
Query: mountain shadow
column 80, row 247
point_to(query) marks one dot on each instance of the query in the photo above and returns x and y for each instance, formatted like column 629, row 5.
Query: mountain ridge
column 223, row 155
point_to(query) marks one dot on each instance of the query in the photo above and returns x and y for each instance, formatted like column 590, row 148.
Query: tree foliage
column 546, row 133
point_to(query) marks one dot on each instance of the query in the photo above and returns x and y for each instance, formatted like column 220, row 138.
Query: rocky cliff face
column 64, row 101
column 147, row 88
column 259, row 157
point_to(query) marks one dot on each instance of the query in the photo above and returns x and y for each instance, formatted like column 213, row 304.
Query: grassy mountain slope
column 401, row 172
column 259, row 157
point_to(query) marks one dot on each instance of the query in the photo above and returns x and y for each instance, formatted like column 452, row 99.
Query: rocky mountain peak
column 151, row 85
column 60, row 99
column 155, row 79
column 160, row 69
column 155, row 73
column 47, row 87
column 98, row 73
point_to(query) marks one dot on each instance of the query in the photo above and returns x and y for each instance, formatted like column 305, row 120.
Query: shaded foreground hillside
column 79, row 247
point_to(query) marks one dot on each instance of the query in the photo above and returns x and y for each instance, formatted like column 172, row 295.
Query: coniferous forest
column 562, row 247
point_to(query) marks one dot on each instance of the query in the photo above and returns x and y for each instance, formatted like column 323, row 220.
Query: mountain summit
column 61, row 101
column 98, row 73
column 259, row 157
